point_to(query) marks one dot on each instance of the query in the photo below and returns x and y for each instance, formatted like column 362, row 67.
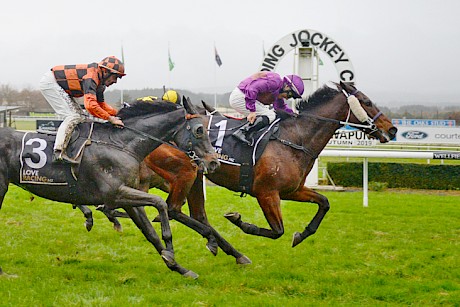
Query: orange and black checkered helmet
column 114, row 65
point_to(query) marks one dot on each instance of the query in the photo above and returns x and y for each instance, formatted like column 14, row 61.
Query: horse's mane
column 325, row 93
column 138, row 108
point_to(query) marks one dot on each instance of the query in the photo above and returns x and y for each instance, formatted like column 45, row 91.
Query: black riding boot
column 245, row 133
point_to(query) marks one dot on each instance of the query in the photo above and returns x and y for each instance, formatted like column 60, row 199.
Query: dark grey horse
column 109, row 170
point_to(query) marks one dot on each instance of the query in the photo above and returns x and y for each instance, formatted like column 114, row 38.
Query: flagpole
column 215, row 81
column 169, row 73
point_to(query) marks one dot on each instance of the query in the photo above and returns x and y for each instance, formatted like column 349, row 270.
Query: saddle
column 231, row 151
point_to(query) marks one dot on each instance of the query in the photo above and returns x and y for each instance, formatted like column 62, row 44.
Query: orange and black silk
column 85, row 80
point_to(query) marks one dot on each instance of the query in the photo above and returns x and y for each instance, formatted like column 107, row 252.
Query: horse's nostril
column 393, row 131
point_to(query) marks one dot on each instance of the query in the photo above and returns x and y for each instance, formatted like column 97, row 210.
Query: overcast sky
column 401, row 50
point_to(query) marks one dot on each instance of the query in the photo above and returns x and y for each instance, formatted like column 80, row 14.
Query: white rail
column 366, row 154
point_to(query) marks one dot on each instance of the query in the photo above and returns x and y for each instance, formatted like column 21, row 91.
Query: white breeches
column 238, row 103
column 64, row 106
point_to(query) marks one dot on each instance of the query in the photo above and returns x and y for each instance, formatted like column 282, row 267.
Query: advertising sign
column 424, row 122
column 48, row 125
column 428, row 135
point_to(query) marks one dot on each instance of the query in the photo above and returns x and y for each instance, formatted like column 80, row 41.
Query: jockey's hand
column 251, row 117
column 116, row 121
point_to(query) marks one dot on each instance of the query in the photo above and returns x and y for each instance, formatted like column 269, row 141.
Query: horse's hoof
column 233, row 217
column 296, row 239
column 118, row 228
column 243, row 260
column 89, row 226
column 191, row 274
column 212, row 247
column 168, row 257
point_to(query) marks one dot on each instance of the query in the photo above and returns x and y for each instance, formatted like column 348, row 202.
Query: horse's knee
column 161, row 205
column 323, row 203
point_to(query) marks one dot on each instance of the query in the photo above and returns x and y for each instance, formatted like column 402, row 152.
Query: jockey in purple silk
column 253, row 96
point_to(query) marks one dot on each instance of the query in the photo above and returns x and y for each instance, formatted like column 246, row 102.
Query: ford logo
column 414, row 135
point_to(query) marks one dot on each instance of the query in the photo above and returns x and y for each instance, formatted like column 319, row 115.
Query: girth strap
column 307, row 151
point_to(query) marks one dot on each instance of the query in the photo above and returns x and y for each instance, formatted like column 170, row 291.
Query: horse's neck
column 317, row 132
column 145, row 133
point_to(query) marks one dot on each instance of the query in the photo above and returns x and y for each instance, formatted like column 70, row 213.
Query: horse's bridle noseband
column 359, row 112
column 197, row 131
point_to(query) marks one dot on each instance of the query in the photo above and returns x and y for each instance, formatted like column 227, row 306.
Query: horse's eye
column 366, row 101
column 198, row 131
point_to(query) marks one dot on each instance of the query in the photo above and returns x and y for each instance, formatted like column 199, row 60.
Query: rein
column 133, row 154
column 190, row 153
column 357, row 110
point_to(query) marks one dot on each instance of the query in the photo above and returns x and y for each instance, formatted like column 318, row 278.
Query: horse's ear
column 188, row 105
column 338, row 85
column 348, row 86
column 207, row 107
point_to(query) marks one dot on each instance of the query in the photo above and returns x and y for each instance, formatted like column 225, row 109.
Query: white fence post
column 365, row 182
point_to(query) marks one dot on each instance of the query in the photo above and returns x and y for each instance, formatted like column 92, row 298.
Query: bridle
column 367, row 123
column 196, row 132
column 361, row 114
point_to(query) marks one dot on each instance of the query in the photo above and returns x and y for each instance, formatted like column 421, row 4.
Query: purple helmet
column 296, row 84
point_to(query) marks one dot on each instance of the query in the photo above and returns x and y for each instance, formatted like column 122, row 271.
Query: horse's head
column 197, row 139
column 363, row 111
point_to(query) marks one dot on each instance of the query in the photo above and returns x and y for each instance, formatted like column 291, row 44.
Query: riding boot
column 62, row 139
column 245, row 133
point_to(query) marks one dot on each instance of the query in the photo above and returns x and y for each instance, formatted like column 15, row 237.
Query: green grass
column 25, row 125
column 401, row 250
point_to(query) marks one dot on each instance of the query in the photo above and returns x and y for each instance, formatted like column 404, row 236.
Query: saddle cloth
column 229, row 149
column 232, row 151
column 36, row 158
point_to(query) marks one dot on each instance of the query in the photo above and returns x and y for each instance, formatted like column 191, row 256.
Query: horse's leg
column 111, row 216
column 3, row 190
column 197, row 211
column 208, row 231
column 4, row 183
column 308, row 195
column 141, row 220
column 88, row 215
column 195, row 200
column 181, row 179
column 129, row 197
column 269, row 202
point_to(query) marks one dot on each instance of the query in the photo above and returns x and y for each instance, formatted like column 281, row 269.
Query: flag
column 170, row 62
column 218, row 60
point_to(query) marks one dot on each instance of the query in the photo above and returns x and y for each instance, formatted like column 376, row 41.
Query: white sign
column 428, row 135
column 310, row 38
column 351, row 137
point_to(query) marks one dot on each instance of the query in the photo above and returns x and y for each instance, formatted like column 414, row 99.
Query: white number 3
column 39, row 151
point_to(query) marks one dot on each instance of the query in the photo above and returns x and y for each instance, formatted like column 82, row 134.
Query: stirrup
column 60, row 156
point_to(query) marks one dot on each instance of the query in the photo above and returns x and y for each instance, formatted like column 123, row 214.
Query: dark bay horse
column 109, row 170
column 281, row 171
